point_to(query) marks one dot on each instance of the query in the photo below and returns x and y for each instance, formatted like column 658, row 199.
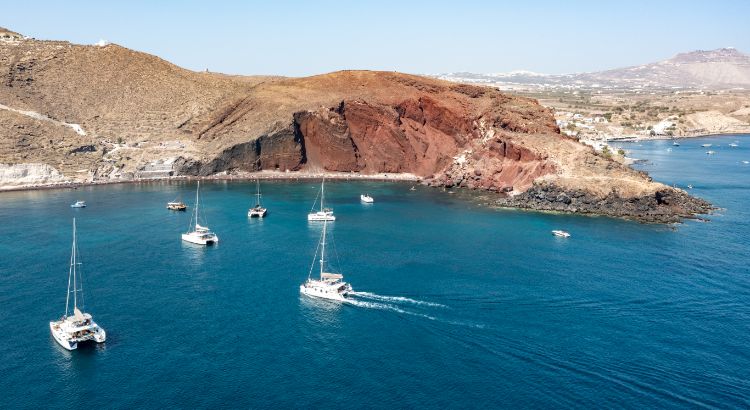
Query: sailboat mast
column 70, row 269
column 323, row 249
column 322, row 194
column 75, row 262
column 257, row 184
column 197, row 189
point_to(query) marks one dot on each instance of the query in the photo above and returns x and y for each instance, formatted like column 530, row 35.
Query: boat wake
column 399, row 304
column 386, row 306
column 396, row 299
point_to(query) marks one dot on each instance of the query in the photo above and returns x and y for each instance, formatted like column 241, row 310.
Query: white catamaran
column 257, row 211
column 330, row 285
column 80, row 327
column 199, row 235
column 324, row 214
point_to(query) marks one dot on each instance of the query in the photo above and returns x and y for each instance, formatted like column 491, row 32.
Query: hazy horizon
column 297, row 39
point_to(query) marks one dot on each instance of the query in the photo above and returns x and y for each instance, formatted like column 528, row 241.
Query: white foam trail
column 397, row 299
column 385, row 306
column 393, row 308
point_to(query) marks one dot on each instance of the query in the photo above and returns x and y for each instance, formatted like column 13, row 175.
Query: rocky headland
column 74, row 113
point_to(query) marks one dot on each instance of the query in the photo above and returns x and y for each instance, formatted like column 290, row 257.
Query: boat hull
column 257, row 214
column 321, row 217
column 318, row 293
column 100, row 336
column 198, row 240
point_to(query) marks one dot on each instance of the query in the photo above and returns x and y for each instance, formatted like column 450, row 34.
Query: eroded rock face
column 418, row 136
column 19, row 175
column 281, row 150
column 414, row 136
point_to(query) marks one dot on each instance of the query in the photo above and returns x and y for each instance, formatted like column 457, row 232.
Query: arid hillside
column 106, row 113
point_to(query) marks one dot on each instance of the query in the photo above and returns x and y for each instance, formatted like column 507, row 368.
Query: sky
column 297, row 38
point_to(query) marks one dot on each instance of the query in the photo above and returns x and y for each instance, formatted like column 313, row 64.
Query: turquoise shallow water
column 467, row 307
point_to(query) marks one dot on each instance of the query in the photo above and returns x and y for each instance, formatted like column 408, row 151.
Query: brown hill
column 121, row 114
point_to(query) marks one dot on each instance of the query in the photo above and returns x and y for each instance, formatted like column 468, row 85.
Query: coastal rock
column 20, row 175
column 667, row 205
column 109, row 113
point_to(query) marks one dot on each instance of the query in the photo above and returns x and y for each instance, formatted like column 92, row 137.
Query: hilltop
column 106, row 113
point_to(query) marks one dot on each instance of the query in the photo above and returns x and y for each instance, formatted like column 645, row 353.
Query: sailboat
column 330, row 285
column 324, row 214
column 80, row 326
column 198, row 234
column 257, row 211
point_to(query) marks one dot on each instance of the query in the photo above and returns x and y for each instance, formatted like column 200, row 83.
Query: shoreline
column 305, row 175
column 674, row 137
column 243, row 176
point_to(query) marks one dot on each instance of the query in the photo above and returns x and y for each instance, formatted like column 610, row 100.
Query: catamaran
column 199, row 235
column 330, row 285
column 257, row 211
column 80, row 327
column 324, row 214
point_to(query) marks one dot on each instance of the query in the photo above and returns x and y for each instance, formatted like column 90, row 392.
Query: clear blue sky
column 309, row 37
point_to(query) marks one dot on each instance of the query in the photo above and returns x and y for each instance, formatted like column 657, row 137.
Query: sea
column 455, row 304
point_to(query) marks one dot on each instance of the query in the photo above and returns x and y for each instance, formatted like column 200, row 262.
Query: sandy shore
column 241, row 176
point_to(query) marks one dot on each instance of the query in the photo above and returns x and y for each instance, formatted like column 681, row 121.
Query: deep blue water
column 620, row 315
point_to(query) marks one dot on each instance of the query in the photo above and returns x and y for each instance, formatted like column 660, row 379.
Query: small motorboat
column 690, row 187
column 676, row 144
column 746, row 162
column 366, row 198
column 413, row 188
column 706, row 145
column 176, row 206
column 560, row 233
column 733, row 145
column 710, row 152
column 79, row 204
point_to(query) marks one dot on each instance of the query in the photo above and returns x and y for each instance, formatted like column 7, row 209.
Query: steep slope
column 109, row 113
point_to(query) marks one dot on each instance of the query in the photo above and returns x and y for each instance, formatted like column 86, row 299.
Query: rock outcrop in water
column 109, row 113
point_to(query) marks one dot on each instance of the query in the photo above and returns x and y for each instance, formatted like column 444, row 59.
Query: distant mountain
column 723, row 68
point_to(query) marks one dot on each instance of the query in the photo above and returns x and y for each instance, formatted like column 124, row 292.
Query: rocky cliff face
column 110, row 113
